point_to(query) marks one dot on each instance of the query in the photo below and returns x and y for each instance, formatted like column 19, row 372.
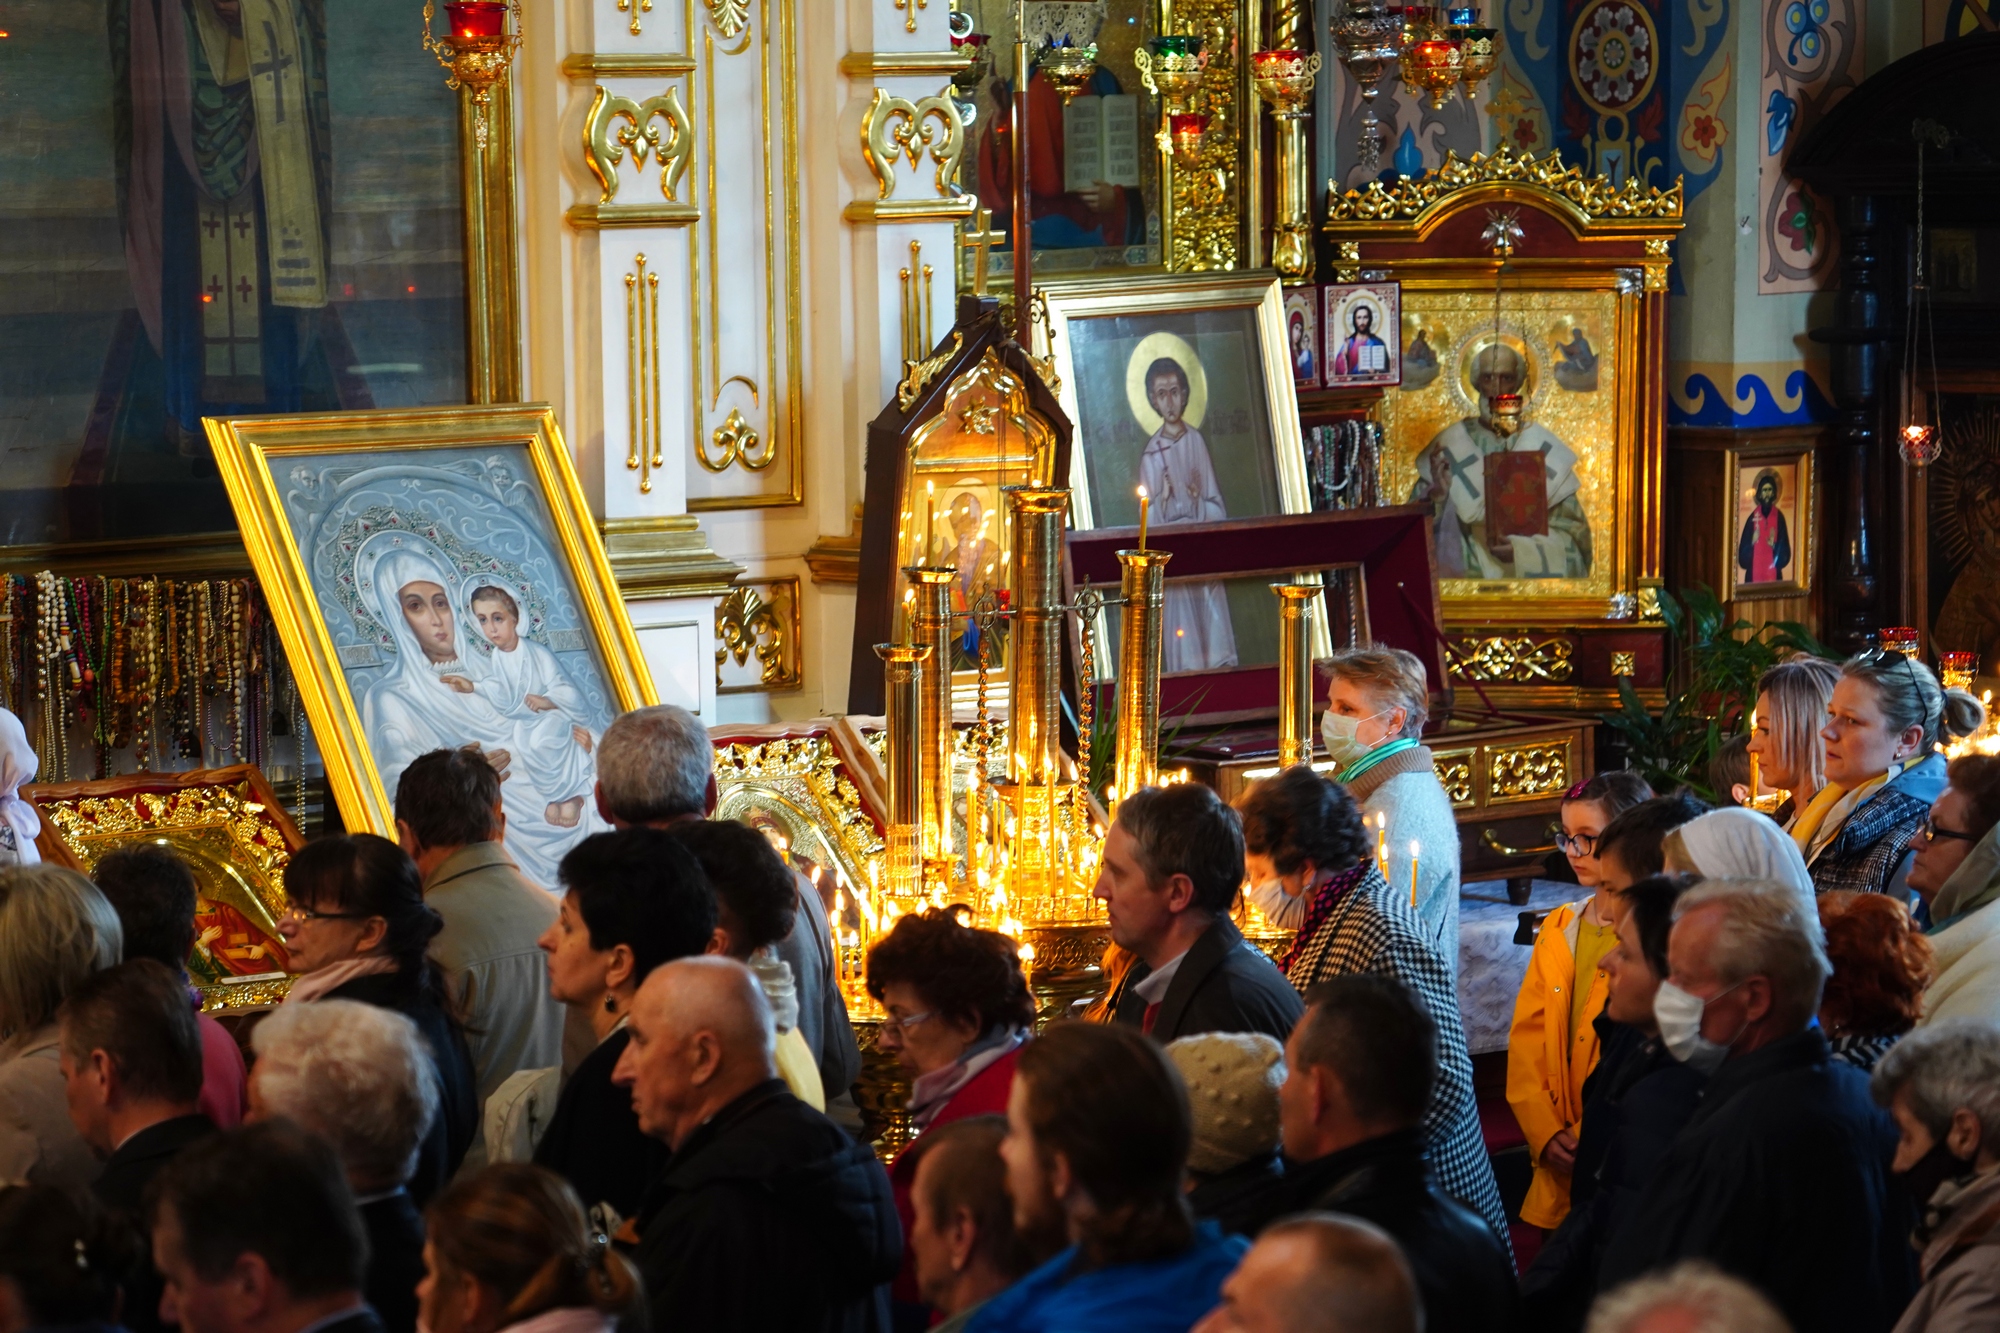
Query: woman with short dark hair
column 1881, row 965
column 357, row 928
column 958, row 1011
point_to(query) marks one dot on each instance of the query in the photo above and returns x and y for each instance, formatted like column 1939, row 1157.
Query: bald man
column 768, row 1216
column 1318, row 1273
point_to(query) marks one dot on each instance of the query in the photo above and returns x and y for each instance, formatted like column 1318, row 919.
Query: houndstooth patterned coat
column 1372, row 932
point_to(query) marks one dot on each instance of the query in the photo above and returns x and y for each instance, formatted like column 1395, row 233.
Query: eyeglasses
column 294, row 912
column 901, row 1026
column 1932, row 832
column 1583, row 844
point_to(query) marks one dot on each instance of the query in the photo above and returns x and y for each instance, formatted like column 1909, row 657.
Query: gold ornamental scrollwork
column 635, row 8
column 1591, row 196
column 1527, row 772
column 917, row 375
column 644, row 443
column 605, row 141
column 1454, row 774
column 894, row 127
column 1204, row 228
column 1624, row 664
column 735, row 441
column 1515, row 659
column 729, row 16
column 749, row 624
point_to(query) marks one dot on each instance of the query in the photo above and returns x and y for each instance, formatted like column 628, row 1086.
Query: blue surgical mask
column 1342, row 736
column 1678, row 1013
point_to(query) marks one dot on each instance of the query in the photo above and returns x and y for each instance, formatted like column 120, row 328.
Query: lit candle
column 1144, row 502
column 1382, row 841
column 476, row 18
column 930, row 518
column 1413, row 872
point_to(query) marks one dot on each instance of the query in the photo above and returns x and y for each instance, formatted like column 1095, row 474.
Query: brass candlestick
column 1143, row 586
column 1034, row 733
column 931, row 626
column 1295, row 675
column 903, row 838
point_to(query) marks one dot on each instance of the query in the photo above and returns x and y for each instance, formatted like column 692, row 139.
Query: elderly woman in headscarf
column 1738, row 843
column 18, row 821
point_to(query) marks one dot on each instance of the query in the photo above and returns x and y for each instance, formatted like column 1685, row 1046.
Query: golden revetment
column 229, row 827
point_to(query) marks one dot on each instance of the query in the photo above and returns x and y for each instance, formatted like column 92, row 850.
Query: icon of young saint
column 1361, row 352
column 1551, row 539
column 1765, row 546
column 1179, row 477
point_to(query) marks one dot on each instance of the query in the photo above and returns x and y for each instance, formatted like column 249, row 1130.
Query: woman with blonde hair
column 509, row 1248
column 55, row 930
column 1791, row 708
column 1885, row 722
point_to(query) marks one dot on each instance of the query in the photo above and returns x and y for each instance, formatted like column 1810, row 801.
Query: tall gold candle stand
column 1034, row 725
column 931, row 625
column 1295, row 675
column 1144, row 590
column 903, row 841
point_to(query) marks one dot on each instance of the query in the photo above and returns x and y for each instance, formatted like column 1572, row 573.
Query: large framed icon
column 437, row 581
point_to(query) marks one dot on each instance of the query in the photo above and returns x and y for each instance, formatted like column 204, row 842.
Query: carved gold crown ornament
column 1591, row 197
column 476, row 51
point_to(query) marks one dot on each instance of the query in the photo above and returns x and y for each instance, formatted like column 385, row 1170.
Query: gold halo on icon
column 1150, row 349
column 1468, row 357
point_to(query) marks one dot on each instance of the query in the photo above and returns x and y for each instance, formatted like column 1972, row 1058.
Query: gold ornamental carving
column 605, row 140
column 894, row 127
column 1454, row 774
column 635, row 8
column 1204, row 230
column 759, row 621
column 735, row 441
column 1527, row 772
column 1590, row 196
column 918, row 375
column 729, row 16
column 798, row 787
column 1515, row 659
column 642, row 373
column 1624, row 664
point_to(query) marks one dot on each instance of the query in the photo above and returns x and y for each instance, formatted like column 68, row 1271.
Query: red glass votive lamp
column 1186, row 129
column 1898, row 639
column 474, row 20
column 1957, row 668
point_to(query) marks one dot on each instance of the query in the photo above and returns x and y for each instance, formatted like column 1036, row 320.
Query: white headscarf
column 1736, row 843
column 18, row 764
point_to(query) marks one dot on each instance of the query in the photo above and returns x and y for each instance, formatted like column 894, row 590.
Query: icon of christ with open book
column 1505, row 500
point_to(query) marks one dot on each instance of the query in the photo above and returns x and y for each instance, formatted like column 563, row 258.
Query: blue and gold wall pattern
column 1622, row 87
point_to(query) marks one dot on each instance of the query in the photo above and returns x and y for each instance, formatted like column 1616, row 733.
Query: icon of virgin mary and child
column 513, row 701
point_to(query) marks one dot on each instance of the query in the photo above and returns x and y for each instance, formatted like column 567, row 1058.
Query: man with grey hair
column 1784, row 1132
column 1690, row 1297
column 767, row 1216
column 1942, row 1085
column 656, row 767
column 1172, row 866
column 358, row 1076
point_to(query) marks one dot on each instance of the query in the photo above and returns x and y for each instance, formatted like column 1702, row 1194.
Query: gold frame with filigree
column 227, row 824
column 1593, row 252
column 251, row 453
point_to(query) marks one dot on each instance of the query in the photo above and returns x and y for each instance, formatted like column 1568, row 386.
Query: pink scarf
column 317, row 985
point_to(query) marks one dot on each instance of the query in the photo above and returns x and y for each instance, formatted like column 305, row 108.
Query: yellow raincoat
column 1546, row 1062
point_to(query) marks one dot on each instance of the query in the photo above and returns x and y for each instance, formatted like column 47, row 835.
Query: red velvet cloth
column 986, row 1094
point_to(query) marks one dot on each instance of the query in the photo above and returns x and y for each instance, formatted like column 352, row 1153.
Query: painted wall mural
column 1812, row 58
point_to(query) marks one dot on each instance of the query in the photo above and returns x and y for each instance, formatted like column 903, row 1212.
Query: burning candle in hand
column 1413, row 872
column 1753, row 760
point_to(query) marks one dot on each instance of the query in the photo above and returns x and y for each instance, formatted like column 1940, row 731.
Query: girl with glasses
column 1553, row 1044
column 1884, row 722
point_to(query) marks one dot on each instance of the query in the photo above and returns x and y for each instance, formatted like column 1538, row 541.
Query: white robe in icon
column 1179, row 478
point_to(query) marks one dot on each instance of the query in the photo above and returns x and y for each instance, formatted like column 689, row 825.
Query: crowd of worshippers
column 1756, row 1065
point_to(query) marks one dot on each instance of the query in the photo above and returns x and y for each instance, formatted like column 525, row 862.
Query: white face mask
column 1679, row 1015
column 1342, row 735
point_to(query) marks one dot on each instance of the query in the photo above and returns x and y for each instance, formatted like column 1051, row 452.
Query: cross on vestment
column 243, row 286
column 215, row 287
column 212, row 222
column 275, row 63
column 243, row 225
column 981, row 238
column 1459, row 469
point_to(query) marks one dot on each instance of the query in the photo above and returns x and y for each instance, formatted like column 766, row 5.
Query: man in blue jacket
column 1781, row 1176
column 1098, row 1133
